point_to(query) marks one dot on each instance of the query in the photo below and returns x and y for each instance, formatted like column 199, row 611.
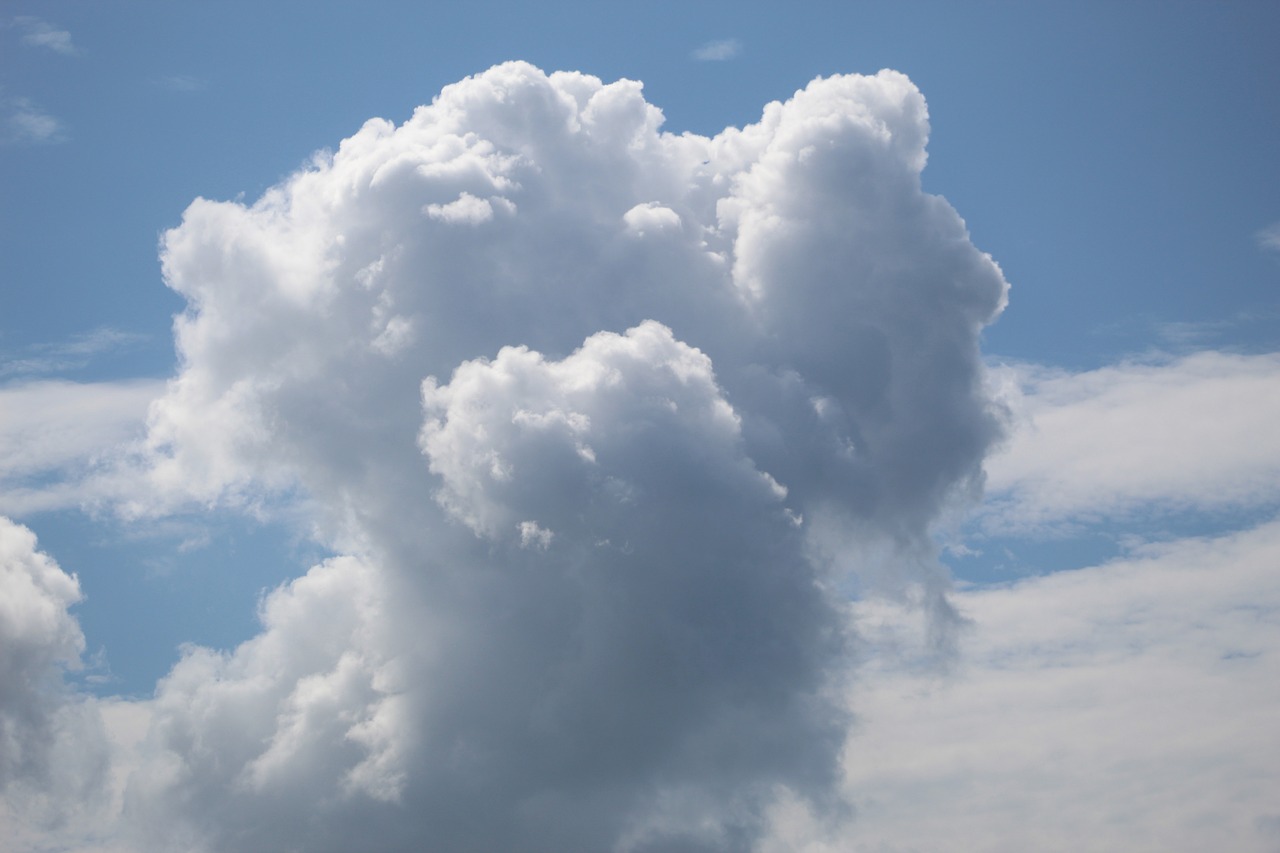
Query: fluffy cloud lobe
column 597, row 418
column 52, row 749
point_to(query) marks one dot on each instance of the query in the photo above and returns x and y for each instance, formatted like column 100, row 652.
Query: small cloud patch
column 718, row 50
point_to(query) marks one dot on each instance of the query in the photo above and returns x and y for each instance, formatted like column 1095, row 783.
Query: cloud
column 67, row 355
column 597, row 421
column 1269, row 237
column 1122, row 707
column 1189, row 433
column 60, row 440
column 27, row 124
column 718, row 51
column 53, row 753
column 38, row 33
column 181, row 83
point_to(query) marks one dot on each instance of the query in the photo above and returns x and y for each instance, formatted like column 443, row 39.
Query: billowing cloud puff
column 52, row 749
column 598, row 418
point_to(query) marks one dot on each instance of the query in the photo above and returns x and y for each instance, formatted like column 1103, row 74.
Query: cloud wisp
column 42, row 34
column 719, row 50
column 598, row 422
column 1269, row 237
column 25, row 123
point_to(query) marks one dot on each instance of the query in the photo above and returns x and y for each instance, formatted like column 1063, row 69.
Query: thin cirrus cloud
column 595, row 420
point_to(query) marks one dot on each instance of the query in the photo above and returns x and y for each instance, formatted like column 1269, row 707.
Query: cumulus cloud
column 1126, row 706
column 1196, row 432
column 599, row 422
column 718, row 50
column 53, row 754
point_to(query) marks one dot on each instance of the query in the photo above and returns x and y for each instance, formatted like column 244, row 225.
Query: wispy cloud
column 53, row 433
column 39, row 33
column 1269, row 237
column 27, row 124
column 1193, row 433
column 718, row 50
column 181, row 83
column 1154, row 677
column 47, row 358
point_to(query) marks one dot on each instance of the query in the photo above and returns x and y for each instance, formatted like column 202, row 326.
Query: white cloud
column 1196, row 432
column 38, row 33
column 650, row 218
column 59, row 441
column 718, row 50
column 1124, row 707
column 53, row 754
column 1269, row 237
column 27, row 124
column 595, row 416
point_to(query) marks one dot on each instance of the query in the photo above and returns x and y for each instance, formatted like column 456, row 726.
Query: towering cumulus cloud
column 602, row 424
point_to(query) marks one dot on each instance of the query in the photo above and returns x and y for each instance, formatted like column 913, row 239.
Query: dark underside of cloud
column 602, row 422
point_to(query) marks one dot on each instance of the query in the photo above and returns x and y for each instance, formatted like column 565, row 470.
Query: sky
column 689, row 427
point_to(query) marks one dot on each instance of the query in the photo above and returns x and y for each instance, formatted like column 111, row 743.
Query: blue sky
column 1116, row 160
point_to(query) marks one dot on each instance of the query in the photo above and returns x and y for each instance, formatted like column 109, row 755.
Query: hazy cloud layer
column 1196, row 432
